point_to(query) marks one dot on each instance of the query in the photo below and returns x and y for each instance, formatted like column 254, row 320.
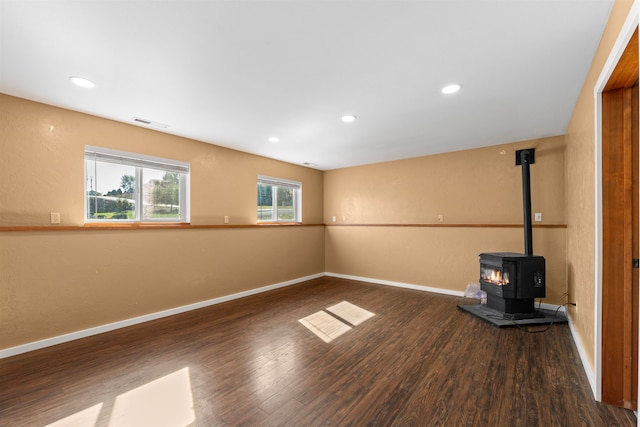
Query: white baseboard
column 591, row 375
column 24, row 348
column 397, row 284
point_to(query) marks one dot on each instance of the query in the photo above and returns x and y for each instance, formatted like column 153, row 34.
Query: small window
column 279, row 200
column 121, row 187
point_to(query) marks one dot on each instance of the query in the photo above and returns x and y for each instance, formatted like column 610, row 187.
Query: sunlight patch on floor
column 86, row 417
column 165, row 402
column 350, row 312
column 343, row 317
column 325, row 326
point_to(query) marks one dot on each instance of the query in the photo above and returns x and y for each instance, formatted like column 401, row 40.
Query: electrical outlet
column 226, row 219
column 440, row 218
column 333, row 218
column 538, row 217
column 55, row 217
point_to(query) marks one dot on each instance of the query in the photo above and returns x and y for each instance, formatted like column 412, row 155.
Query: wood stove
column 511, row 280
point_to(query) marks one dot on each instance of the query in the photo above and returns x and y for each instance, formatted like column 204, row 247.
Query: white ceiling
column 234, row 73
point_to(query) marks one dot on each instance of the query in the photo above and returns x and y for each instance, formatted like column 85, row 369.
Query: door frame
column 629, row 27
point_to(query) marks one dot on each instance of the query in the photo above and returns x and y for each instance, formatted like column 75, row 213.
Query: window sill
column 98, row 224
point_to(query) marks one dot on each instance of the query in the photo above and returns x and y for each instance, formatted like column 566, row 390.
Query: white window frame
column 297, row 197
column 140, row 161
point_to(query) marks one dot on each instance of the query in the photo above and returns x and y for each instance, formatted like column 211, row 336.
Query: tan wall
column 481, row 186
column 580, row 164
column 444, row 258
column 57, row 282
column 42, row 167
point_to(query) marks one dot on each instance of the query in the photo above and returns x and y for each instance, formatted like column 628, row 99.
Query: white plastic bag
column 473, row 291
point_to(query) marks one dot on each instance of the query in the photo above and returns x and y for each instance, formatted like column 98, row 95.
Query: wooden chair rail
column 186, row 226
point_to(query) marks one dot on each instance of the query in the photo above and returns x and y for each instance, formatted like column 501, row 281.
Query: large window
column 279, row 200
column 121, row 187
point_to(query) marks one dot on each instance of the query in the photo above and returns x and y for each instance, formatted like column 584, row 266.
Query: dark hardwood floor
column 419, row 361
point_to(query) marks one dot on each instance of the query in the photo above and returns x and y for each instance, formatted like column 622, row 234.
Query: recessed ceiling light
column 274, row 139
column 348, row 118
column 82, row 82
column 449, row 89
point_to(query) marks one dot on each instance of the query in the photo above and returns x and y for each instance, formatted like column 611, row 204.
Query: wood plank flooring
column 419, row 361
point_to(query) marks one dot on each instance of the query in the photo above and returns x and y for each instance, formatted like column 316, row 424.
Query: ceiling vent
column 150, row 123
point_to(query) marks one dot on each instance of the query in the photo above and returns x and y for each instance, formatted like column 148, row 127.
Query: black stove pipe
column 526, row 158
